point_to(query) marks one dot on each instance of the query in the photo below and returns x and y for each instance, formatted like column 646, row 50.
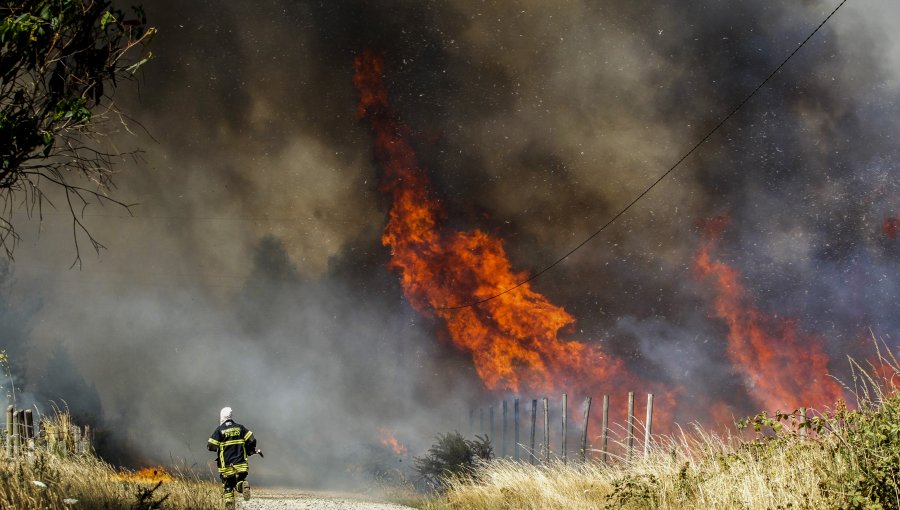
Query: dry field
column 840, row 458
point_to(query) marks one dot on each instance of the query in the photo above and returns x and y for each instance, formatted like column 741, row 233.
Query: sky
column 251, row 272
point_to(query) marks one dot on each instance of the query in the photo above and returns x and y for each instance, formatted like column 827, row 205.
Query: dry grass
column 851, row 460
column 698, row 471
column 46, row 481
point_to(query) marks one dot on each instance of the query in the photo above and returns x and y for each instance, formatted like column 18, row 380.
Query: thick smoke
column 252, row 274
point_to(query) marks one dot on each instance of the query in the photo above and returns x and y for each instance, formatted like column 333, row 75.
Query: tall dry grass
column 47, row 480
column 848, row 459
column 699, row 470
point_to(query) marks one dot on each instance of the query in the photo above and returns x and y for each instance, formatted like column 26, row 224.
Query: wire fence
column 537, row 444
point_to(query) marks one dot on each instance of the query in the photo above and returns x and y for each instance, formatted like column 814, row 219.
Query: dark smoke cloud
column 252, row 274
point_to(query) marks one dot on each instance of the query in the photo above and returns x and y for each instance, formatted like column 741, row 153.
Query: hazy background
column 252, row 273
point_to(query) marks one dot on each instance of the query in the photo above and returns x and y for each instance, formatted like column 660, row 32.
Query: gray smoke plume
column 252, row 274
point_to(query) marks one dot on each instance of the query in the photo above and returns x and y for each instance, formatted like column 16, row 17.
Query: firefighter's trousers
column 231, row 476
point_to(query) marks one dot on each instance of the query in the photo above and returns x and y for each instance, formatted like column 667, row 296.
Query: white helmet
column 224, row 415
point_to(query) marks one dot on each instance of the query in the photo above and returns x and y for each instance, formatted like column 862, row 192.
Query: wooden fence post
column 28, row 427
column 471, row 421
column 565, row 425
column 802, row 422
column 584, row 429
column 604, row 424
column 23, row 434
column 630, row 437
column 18, row 418
column 546, row 429
column 481, row 420
column 533, row 425
column 9, row 430
column 516, row 429
column 88, row 440
column 503, row 430
column 647, row 425
column 29, row 424
column 76, row 434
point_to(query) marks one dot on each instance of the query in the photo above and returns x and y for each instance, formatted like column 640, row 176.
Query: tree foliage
column 60, row 62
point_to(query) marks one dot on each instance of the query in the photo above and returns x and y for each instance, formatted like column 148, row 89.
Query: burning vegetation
column 782, row 367
column 891, row 226
column 387, row 438
column 515, row 338
column 148, row 475
column 838, row 459
column 534, row 138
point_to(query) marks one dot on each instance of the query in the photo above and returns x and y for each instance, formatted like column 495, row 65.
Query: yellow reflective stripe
column 247, row 436
column 233, row 442
column 234, row 469
column 213, row 441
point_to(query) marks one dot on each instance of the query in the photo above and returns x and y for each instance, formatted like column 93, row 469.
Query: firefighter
column 234, row 443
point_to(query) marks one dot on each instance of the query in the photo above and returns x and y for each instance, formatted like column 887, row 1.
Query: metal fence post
column 648, row 425
column 605, row 426
column 516, row 429
column 546, row 429
column 630, row 437
column 584, row 428
column 565, row 425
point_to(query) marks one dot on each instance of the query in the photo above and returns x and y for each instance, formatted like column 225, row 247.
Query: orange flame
column 513, row 339
column 783, row 368
column 150, row 475
column 386, row 437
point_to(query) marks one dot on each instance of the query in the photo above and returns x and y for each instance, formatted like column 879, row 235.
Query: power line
column 660, row 178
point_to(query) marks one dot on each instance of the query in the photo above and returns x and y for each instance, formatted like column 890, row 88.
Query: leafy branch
column 60, row 63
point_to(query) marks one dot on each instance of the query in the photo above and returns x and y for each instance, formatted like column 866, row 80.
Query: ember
column 891, row 226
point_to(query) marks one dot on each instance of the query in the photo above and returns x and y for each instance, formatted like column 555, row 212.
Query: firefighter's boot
column 229, row 500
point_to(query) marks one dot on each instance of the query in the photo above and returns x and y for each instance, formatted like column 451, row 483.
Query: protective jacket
column 234, row 443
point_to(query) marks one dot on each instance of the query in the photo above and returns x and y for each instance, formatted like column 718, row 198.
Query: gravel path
column 290, row 499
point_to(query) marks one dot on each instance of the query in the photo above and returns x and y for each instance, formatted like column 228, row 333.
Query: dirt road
column 290, row 499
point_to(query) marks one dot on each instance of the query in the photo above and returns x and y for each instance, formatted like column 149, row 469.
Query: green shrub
column 866, row 440
column 871, row 446
column 633, row 491
column 453, row 456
